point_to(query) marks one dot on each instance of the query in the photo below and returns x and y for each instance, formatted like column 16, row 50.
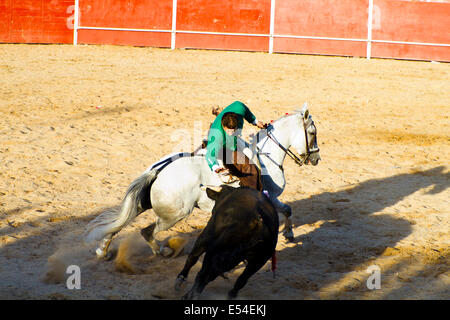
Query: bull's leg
column 206, row 274
column 287, row 212
column 198, row 249
column 252, row 267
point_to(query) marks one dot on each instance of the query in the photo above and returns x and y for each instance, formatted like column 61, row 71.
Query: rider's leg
column 247, row 172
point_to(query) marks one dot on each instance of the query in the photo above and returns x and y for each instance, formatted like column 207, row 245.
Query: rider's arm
column 213, row 147
column 249, row 116
column 241, row 109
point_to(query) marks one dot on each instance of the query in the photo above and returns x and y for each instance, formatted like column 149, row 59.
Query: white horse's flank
column 174, row 191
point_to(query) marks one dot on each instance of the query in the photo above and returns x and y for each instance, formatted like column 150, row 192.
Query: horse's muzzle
column 314, row 158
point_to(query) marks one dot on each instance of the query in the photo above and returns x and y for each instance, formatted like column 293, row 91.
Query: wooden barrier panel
column 5, row 20
column 222, row 42
column 126, row 38
column 412, row 52
column 224, row 16
column 321, row 18
column 411, row 21
column 31, row 21
column 137, row 14
column 325, row 47
column 405, row 21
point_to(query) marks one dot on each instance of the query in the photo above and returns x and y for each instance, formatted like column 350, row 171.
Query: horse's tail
column 136, row 201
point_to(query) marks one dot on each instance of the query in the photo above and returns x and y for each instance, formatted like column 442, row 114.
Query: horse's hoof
column 224, row 276
column 165, row 252
column 177, row 244
column 101, row 254
column 104, row 255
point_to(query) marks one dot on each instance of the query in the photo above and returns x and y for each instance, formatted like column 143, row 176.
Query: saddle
column 245, row 170
column 241, row 168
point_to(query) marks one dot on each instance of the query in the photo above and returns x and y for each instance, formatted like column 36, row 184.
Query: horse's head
column 305, row 139
column 296, row 130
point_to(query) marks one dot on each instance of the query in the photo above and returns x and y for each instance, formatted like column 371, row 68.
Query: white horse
column 172, row 186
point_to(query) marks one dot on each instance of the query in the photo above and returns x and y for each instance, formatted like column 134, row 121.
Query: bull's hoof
column 288, row 235
column 180, row 282
column 231, row 295
column 188, row 296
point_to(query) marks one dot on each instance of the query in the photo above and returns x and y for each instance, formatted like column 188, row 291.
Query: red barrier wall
column 238, row 16
column 5, row 21
column 137, row 14
column 240, row 25
column 321, row 18
column 36, row 21
column 407, row 21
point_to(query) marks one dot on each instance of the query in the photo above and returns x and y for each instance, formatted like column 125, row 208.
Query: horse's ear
column 213, row 192
column 305, row 111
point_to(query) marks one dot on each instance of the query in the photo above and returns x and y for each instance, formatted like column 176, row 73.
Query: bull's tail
column 136, row 201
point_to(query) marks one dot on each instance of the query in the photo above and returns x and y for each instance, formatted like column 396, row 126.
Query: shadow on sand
column 345, row 230
column 340, row 231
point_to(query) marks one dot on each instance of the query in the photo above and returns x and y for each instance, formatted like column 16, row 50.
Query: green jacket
column 218, row 139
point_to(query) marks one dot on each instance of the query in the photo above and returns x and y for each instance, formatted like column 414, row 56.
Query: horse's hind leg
column 102, row 250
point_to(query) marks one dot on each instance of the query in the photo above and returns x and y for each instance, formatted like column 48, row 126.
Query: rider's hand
column 221, row 169
column 261, row 125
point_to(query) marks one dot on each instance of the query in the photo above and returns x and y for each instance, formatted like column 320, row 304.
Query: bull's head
column 214, row 193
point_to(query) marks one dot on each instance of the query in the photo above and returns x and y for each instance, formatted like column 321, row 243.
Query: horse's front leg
column 149, row 233
column 287, row 212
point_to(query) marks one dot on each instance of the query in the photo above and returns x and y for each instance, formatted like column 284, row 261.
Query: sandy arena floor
column 78, row 124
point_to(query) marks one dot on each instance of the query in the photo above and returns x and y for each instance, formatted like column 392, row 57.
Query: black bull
column 243, row 226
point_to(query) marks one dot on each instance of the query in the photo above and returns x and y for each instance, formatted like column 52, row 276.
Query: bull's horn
column 214, row 188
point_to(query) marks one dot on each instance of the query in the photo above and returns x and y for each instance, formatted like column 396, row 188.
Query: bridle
column 309, row 151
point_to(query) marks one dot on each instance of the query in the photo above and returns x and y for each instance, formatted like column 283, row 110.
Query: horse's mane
column 261, row 134
column 282, row 118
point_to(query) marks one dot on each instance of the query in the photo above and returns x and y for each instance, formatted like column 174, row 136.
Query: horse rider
column 223, row 143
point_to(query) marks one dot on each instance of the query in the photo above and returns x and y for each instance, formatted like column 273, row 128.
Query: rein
column 164, row 163
column 287, row 151
column 291, row 154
